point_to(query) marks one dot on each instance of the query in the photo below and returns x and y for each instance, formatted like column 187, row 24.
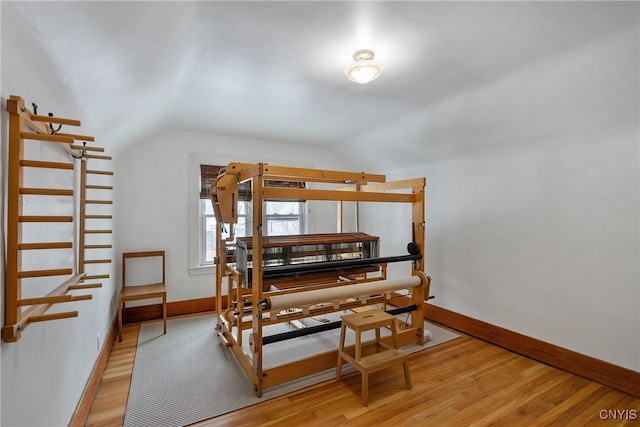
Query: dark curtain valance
column 209, row 174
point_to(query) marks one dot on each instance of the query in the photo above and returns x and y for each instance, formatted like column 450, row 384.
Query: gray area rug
column 187, row 376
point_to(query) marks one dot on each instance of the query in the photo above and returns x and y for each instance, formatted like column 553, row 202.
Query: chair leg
column 164, row 312
column 120, row 304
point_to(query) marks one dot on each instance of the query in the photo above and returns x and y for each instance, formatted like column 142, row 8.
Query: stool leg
column 394, row 334
column 407, row 374
column 365, row 387
column 340, row 349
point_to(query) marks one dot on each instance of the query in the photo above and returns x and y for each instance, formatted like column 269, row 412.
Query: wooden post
column 418, row 224
column 13, row 291
column 220, row 264
column 256, row 253
column 83, row 216
column 357, row 212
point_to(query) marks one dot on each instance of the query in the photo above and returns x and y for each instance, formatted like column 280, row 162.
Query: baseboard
column 174, row 308
column 622, row 379
column 79, row 417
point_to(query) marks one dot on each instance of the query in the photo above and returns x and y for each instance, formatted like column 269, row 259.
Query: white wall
column 533, row 197
column 154, row 194
column 45, row 372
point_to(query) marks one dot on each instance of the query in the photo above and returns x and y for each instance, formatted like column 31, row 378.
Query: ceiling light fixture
column 364, row 69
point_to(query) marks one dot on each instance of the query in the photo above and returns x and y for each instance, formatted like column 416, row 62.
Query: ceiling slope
column 275, row 70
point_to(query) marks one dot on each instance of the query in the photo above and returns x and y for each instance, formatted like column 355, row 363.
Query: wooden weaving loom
column 276, row 279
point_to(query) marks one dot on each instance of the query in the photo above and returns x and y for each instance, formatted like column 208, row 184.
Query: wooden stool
column 388, row 356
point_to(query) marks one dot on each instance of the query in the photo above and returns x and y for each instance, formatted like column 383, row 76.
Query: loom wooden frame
column 360, row 187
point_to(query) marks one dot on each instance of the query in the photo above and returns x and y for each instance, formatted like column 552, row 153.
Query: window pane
column 210, row 239
column 243, row 208
column 282, row 218
column 283, row 208
column 208, row 208
column 283, row 226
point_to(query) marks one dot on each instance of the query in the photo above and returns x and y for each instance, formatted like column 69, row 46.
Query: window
column 284, row 218
column 280, row 217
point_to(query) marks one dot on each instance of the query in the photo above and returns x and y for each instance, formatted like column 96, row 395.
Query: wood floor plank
column 109, row 405
column 459, row 383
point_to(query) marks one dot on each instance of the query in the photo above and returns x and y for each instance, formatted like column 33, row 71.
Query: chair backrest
column 144, row 254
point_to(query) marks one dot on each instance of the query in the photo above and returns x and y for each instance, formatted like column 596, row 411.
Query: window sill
column 202, row 270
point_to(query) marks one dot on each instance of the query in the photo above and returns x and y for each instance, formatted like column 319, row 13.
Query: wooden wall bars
column 24, row 185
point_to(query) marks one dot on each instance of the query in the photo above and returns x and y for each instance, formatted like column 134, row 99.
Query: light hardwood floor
column 465, row 382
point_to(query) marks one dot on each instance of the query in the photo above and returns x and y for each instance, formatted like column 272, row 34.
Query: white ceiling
column 275, row 70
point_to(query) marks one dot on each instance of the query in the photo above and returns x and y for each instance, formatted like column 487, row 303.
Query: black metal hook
column 83, row 152
column 53, row 131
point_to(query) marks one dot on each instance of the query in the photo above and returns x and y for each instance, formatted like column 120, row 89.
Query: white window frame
column 203, row 225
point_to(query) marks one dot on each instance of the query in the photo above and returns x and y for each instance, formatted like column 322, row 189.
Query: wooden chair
column 385, row 357
column 131, row 292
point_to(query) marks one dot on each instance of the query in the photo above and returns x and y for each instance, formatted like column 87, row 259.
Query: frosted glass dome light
column 364, row 69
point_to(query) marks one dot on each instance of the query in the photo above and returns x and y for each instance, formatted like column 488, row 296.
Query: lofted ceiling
column 275, row 70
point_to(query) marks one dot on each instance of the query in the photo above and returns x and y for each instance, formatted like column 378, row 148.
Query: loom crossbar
column 324, row 327
column 314, row 267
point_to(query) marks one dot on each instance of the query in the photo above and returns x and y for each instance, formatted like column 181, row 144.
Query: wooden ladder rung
column 99, row 202
column 87, row 148
column 46, row 191
column 97, row 172
column 44, row 273
column 86, row 286
column 98, row 231
column 45, row 300
column 56, row 120
column 95, row 276
column 98, row 217
column 81, row 297
column 46, row 137
column 45, row 218
column 97, row 246
column 80, row 137
column 46, row 165
column 96, row 156
column 100, row 187
column 45, row 245
column 53, row 316
column 97, row 261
